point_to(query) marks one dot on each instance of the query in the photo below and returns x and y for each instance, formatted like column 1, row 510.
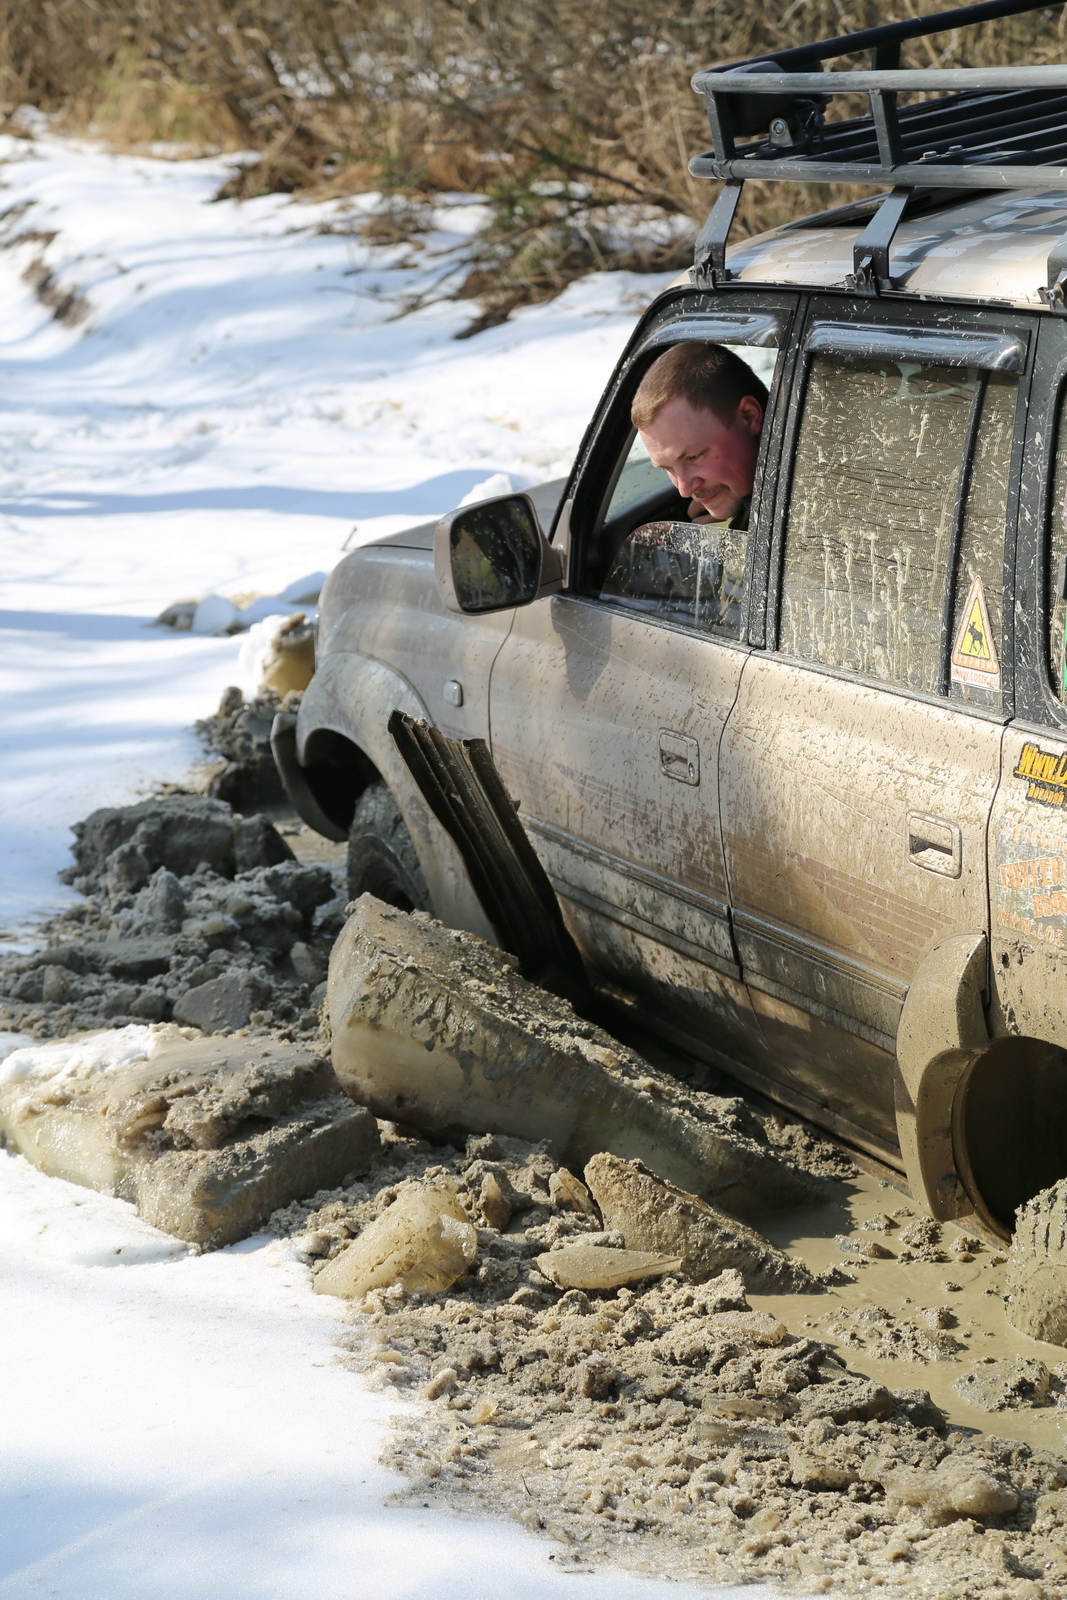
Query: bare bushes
column 574, row 116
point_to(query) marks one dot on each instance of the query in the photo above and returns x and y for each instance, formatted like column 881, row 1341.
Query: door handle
column 935, row 845
column 679, row 756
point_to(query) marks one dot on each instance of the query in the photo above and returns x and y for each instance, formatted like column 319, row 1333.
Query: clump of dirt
column 238, row 735
column 878, row 1333
column 192, row 913
column 805, row 1149
column 669, row 1426
column 1003, row 1385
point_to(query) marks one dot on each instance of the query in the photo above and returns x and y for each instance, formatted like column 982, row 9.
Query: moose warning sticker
column 974, row 655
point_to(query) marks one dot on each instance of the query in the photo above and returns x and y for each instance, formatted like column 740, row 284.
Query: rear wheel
column 381, row 856
column 1010, row 1127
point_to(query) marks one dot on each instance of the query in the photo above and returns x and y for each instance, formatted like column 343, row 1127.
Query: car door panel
column 859, row 764
column 589, row 779
column 832, row 913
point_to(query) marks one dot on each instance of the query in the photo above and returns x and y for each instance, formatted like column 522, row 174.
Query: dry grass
column 557, row 109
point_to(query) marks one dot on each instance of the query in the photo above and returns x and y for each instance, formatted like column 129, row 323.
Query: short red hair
column 709, row 377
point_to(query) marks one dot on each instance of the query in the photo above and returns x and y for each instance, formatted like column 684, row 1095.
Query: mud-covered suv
column 819, row 832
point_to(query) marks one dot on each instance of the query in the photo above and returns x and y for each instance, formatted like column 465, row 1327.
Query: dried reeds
column 562, row 111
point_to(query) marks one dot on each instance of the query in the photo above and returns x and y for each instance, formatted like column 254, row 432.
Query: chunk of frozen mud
column 223, row 1004
column 653, row 1215
column 127, row 844
column 423, row 1241
column 956, row 1488
column 1005, row 1385
column 1037, row 1267
column 145, row 944
column 847, row 1399
column 434, row 1027
column 239, row 733
column 206, row 1137
column 135, row 958
column 591, row 1266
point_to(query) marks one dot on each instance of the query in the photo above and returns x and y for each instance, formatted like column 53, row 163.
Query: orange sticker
column 974, row 654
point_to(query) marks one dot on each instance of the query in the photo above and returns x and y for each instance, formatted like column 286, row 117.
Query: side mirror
column 494, row 555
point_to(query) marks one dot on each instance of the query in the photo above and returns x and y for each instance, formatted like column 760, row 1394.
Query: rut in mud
column 673, row 1426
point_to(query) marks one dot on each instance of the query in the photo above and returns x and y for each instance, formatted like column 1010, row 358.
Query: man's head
column 699, row 410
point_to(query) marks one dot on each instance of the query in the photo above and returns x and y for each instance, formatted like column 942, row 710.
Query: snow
column 70, row 1059
column 240, row 401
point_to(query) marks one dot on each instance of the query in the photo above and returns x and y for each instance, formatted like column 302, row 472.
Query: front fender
column 353, row 696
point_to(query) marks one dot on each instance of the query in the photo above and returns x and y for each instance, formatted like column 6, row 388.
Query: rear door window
column 894, row 539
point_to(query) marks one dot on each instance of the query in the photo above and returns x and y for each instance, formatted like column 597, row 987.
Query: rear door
column 860, row 761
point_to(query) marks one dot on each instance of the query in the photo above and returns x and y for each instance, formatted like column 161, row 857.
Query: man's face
column 712, row 463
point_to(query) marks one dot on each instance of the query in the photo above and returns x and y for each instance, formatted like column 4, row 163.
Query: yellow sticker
column 974, row 655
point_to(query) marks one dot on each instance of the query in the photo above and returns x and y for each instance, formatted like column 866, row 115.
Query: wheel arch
column 341, row 744
column 981, row 1119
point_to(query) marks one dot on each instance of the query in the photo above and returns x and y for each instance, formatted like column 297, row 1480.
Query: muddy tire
column 1037, row 1269
column 381, row 856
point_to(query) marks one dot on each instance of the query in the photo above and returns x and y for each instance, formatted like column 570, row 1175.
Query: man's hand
column 698, row 511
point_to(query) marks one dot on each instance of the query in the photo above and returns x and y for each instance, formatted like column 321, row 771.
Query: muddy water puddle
column 915, row 1322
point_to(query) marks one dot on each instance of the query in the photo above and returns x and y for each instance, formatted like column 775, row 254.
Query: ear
column 750, row 413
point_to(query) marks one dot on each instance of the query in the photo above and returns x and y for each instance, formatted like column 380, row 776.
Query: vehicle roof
column 992, row 247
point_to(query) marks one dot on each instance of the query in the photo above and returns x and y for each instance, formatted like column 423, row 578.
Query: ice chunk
column 593, row 1266
column 423, row 1241
column 214, row 615
column 957, row 1488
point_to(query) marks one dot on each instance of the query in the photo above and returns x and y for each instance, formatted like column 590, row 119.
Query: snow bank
column 239, row 402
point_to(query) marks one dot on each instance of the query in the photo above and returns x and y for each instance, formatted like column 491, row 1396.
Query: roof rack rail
column 994, row 128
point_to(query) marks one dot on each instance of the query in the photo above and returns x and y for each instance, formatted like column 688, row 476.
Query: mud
column 191, row 912
column 243, row 773
column 701, row 1430
column 1037, row 1269
column 861, row 1416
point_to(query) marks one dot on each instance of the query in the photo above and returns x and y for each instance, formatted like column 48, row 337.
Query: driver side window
column 658, row 561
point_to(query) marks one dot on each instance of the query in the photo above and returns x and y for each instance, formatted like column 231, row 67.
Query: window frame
column 1037, row 703
column 896, row 318
column 596, row 470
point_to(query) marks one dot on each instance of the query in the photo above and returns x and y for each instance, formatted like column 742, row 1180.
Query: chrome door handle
column 935, row 845
column 679, row 756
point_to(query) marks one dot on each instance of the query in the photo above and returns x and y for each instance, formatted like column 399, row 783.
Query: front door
column 860, row 762
column 607, row 706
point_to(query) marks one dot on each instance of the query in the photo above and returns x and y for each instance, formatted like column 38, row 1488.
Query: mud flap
column 942, row 1034
column 460, row 784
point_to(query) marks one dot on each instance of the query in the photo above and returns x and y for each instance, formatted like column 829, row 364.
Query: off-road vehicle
column 801, row 791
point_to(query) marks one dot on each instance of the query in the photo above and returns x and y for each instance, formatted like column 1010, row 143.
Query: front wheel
column 381, row 856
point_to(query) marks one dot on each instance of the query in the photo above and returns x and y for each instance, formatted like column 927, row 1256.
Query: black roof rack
column 995, row 128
